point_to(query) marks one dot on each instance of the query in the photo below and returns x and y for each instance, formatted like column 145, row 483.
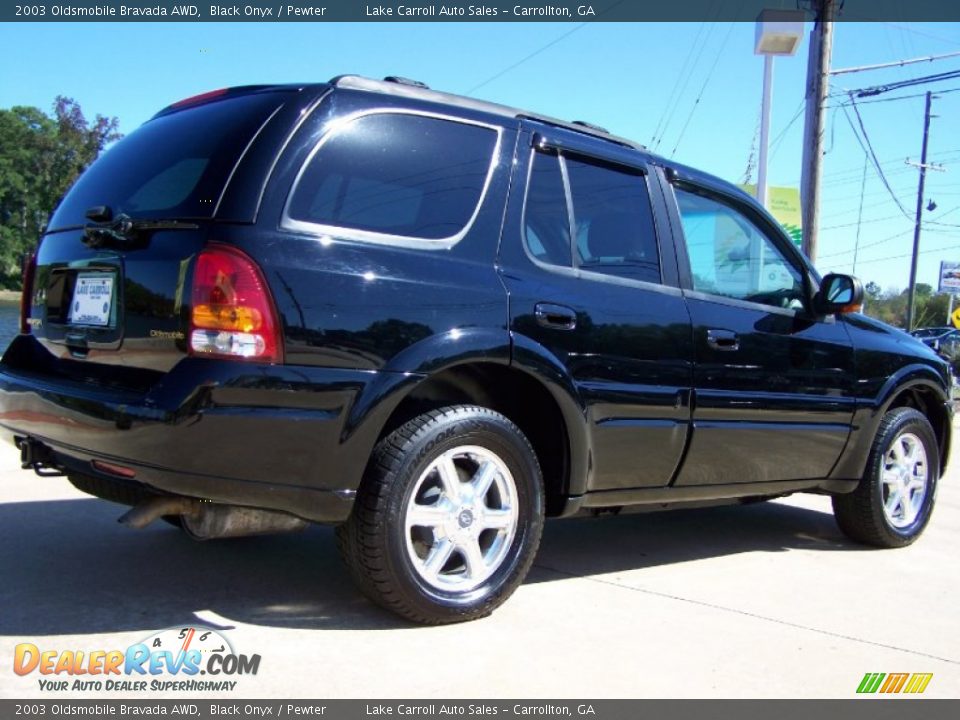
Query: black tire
column 860, row 514
column 374, row 541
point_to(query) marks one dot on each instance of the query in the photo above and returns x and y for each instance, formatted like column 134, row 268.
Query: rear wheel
column 448, row 517
column 893, row 502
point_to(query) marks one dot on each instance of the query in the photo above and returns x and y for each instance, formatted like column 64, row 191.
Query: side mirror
column 838, row 294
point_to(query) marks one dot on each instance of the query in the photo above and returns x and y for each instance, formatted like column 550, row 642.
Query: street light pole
column 765, row 128
column 778, row 32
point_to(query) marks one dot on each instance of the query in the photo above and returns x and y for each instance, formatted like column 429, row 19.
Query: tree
column 40, row 157
column 890, row 306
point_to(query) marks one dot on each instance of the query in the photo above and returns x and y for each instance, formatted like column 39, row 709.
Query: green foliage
column 40, row 157
column 890, row 306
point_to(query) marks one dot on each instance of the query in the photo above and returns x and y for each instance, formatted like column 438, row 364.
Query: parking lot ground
column 764, row 600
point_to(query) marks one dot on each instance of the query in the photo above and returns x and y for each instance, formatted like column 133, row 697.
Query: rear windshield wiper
column 122, row 230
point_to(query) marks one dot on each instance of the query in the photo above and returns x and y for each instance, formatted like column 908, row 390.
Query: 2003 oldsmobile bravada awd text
column 433, row 322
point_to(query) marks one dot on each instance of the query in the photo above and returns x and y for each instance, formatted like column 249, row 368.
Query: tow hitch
column 36, row 456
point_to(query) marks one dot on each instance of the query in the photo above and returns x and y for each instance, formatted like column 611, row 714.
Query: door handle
column 726, row 340
column 556, row 317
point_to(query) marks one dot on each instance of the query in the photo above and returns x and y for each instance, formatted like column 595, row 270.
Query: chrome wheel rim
column 903, row 482
column 461, row 518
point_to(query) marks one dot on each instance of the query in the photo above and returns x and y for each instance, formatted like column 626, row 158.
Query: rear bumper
column 278, row 437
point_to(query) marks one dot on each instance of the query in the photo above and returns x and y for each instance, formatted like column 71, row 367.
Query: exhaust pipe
column 207, row 521
column 225, row 521
column 141, row 515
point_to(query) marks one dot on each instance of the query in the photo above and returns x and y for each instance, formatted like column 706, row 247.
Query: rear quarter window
column 173, row 166
column 396, row 176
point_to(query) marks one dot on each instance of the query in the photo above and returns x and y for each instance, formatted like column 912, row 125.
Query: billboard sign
column 949, row 277
column 784, row 204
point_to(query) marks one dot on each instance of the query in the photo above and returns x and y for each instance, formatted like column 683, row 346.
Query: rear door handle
column 726, row 340
column 556, row 317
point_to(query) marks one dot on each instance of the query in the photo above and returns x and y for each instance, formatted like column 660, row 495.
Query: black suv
column 433, row 322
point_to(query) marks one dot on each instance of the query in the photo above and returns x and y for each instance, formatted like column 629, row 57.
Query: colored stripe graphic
column 914, row 683
column 918, row 682
column 870, row 682
column 895, row 682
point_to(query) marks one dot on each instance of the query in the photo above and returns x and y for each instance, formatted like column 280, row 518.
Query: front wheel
column 893, row 502
column 448, row 518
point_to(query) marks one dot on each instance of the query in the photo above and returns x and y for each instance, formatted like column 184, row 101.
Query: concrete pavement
column 766, row 600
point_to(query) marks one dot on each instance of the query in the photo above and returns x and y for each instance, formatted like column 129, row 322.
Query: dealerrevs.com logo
column 908, row 683
column 177, row 659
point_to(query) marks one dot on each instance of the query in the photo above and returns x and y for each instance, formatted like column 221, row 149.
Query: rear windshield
column 174, row 166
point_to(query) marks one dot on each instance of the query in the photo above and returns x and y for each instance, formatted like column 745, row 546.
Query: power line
column 856, row 241
column 871, row 101
column 838, row 177
column 873, row 155
column 900, row 257
column 775, row 144
column 912, row 82
column 890, row 238
column 869, row 245
column 941, row 216
column 939, row 190
column 895, row 63
column 672, row 109
column 850, row 211
column 703, row 88
column 524, row 59
column 858, row 223
column 677, row 91
column 907, row 28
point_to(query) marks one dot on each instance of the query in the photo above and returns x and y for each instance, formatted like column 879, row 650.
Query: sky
column 690, row 91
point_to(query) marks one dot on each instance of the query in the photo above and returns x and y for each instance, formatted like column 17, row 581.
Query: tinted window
column 545, row 219
column 174, row 166
column 397, row 174
column 614, row 223
column 730, row 256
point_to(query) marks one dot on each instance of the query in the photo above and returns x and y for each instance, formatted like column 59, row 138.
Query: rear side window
column 397, row 174
column 614, row 232
column 174, row 166
column 614, row 228
column 546, row 219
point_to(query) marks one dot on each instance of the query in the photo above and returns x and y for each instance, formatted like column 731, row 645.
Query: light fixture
column 779, row 32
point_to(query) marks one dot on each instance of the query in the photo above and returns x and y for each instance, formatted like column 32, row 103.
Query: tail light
column 232, row 312
column 26, row 298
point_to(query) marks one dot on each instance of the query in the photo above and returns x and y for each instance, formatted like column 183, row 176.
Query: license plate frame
column 93, row 301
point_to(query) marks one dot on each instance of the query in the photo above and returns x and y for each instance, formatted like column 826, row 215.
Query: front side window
column 730, row 256
column 397, row 174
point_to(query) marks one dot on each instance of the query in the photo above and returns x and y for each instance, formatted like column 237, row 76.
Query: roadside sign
column 949, row 278
column 784, row 204
column 955, row 318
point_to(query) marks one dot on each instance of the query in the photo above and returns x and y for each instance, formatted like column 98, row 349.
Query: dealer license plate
column 92, row 300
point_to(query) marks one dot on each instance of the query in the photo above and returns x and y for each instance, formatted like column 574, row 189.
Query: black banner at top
column 459, row 11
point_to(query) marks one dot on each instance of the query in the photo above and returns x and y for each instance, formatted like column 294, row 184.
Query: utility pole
column 916, row 224
column 818, row 73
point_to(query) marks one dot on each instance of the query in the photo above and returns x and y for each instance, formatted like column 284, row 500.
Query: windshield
column 174, row 166
column 930, row 332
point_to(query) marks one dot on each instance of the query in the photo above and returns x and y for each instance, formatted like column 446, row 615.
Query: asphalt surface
column 766, row 600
